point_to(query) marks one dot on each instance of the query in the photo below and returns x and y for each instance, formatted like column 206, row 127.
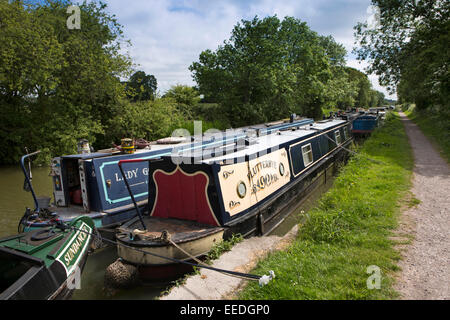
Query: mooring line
column 355, row 153
column 246, row 276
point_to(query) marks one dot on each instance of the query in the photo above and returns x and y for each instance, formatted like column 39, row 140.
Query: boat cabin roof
column 269, row 141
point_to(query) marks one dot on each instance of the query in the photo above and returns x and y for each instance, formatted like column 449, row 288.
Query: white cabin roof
column 265, row 142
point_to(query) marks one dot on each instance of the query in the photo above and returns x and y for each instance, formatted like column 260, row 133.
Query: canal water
column 14, row 200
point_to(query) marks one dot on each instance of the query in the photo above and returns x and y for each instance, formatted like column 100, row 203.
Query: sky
column 168, row 35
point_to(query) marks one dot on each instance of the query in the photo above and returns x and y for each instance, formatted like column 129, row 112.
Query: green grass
column 435, row 124
column 224, row 246
column 349, row 230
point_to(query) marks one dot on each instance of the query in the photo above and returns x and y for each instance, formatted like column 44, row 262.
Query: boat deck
column 179, row 230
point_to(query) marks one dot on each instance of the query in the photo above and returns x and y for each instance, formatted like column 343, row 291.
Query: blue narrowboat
column 365, row 124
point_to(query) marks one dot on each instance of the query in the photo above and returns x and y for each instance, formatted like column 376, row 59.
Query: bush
column 185, row 97
column 150, row 120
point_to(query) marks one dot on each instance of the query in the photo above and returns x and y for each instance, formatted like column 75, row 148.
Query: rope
column 246, row 276
column 355, row 153
column 205, row 265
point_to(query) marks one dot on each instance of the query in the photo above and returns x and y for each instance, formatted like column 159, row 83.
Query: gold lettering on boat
column 75, row 247
column 263, row 178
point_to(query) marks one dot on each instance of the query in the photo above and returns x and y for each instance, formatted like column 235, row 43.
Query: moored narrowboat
column 90, row 184
column 45, row 264
column 243, row 188
column 365, row 124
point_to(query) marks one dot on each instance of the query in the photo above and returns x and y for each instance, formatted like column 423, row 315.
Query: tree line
column 408, row 49
column 59, row 85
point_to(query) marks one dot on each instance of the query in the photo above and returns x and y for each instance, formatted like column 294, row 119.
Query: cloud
column 168, row 35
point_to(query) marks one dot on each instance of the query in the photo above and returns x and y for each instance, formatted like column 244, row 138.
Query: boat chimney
column 292, row 118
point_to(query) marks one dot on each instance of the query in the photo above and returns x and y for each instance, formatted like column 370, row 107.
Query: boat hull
column 44, row 264
column 196, row 248
column 150, row 249
column 266, row 218
column 249, row 190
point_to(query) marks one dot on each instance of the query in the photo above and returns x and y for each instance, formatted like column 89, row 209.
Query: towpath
column 426, row 261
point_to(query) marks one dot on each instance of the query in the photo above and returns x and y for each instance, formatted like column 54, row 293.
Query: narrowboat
column 365, row 124
column 90, row 184
column 197, row 197
column 44, row 264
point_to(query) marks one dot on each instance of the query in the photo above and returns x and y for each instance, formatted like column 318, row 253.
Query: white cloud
column 165, row 41
column 168, row 35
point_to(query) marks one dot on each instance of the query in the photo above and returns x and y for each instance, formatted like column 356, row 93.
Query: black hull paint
column 43, row 284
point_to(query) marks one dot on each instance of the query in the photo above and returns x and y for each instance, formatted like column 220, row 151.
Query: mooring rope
column 355, row 153
column 246, row 276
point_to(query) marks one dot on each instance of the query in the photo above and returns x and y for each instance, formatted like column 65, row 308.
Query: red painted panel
column 182, row 196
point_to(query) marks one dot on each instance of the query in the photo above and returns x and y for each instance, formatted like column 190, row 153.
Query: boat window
column 307, row 155
column 346, row 133
column 338, row 137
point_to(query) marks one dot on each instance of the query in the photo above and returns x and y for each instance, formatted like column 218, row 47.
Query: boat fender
column 121, row 275
column 264, row 280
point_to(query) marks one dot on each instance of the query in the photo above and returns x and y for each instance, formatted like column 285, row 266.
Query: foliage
column 363, row 87
column 268, row 69
column 186, row 97
column 349, row 230
column 150, row 120
column 56, row 85
column 341, row 91
column 408, row 49
column 351, row 88
column 435, row 125
column 224, row 246
column 141, row 86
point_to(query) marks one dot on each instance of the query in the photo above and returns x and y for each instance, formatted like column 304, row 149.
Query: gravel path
column 425, row 263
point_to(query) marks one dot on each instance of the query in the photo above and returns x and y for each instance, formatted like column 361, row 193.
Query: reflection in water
column 14, row 200
column 93, row 275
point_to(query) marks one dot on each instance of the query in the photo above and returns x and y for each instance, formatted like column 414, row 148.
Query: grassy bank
column 435, row 124
column 349, row 230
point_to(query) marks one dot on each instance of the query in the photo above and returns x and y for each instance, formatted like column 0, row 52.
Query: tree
column 267, row 70
column 341, row 91
column 408, row 48
column 141, row 86
column 149, row 119
column 186, row 97
column 363, row 85
column 56, row 85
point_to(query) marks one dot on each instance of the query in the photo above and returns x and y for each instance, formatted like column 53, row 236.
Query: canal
column 14, row 200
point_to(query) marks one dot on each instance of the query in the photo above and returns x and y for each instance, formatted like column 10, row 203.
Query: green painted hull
column 44, row 264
